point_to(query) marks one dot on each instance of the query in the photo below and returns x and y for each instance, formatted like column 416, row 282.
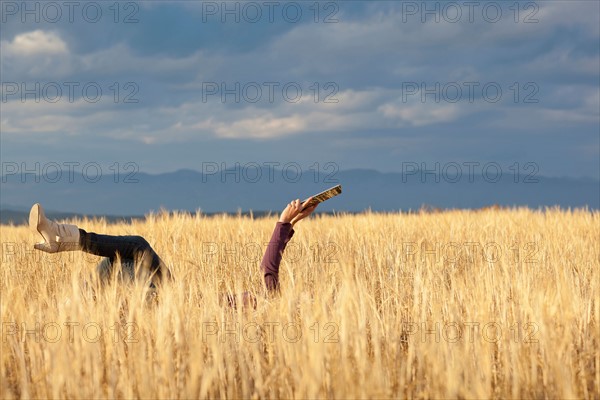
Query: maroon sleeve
column 270, row 263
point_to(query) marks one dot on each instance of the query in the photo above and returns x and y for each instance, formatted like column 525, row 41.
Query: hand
column 303, row 214
column 292, row 213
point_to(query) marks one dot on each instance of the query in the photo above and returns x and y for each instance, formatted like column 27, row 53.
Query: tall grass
column 458, row 304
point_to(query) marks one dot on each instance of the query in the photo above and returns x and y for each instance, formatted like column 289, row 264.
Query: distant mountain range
column 262, row 190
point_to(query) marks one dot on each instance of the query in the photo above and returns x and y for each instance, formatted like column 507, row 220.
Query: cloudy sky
column 363, row 84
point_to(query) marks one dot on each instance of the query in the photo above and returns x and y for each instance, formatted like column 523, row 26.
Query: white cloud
column 35, row 55
column 586, row 112
column 563, row 61
column 421, row 114
column 263, row 127
column 106, row 61
column 413, row 111
column 36, row 42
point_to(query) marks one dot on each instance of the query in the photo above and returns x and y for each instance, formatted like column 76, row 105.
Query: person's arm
column 284, row 230
column 282, row 234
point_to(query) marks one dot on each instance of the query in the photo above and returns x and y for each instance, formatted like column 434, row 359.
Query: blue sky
column 369, row 60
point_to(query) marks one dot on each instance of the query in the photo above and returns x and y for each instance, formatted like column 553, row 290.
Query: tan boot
column 57, row 237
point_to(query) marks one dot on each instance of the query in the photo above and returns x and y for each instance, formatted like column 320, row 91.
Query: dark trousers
column 132, row 250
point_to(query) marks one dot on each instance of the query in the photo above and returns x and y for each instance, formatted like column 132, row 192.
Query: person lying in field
column 135, row 251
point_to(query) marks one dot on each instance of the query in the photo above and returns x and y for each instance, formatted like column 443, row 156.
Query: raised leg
column 129, row 248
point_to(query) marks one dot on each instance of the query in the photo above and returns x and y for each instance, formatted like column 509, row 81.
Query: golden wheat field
column 455, row 304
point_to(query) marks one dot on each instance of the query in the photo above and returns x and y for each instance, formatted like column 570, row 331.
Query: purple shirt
column 270, row 263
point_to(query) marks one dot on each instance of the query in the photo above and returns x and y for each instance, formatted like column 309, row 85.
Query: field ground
column 467, row 304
